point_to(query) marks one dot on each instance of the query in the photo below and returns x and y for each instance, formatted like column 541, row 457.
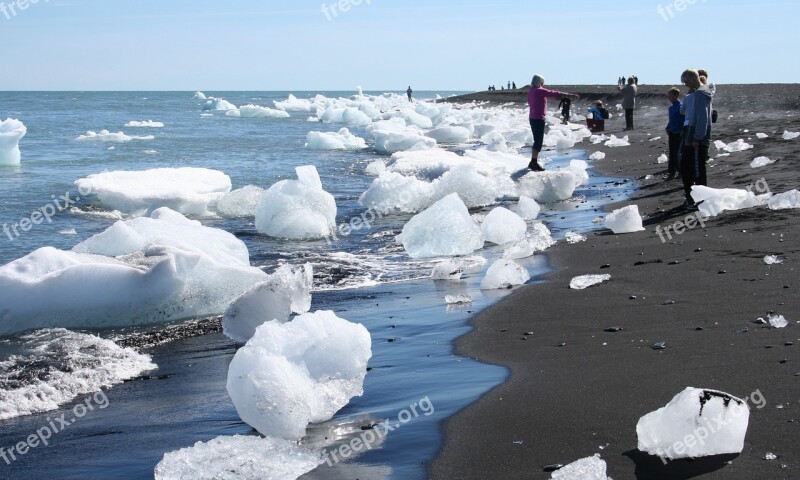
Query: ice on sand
column 574, row 237
column 394, row 141
column 291, row 374
column 239, row 458
column 537, row 240
column 188, row 190
column 586, row 281
column 695, row 423
column 550, row 185
column 737, row 146
column 787, row 135
column 597, row 156
column 527, row 208
column 448, row 270
column 444, row 229
column 624, row 220
column 780, row 201
column 242, row 202
column 761, row 162
column 457, row 299
column 617, row 142
column 663, row 158
column 762, row 135
column 11, row 132
column 772, row 260
column 589, row 468
column 297, row 209
column 286, row 291
column 341, row 140
column 503, row 226
column 718, row 200
column 504, row 273
column 777, row 321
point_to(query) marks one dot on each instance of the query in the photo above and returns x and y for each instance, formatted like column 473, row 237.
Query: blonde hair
column 690, row 73
column 537, row 81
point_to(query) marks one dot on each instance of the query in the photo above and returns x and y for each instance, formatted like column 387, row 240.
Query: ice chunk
column 527, row 208
column 654, row 139
column 393, row 141
column 537, row 240
column 256, row 111
column 200, row 96
column 504, row 273
column 104, row 136
column 695, row 423
column 503, row 226
column 144, row 124
column 375, row 168
column 761, row 162
column 218, row 104
column 574, row 237
column 772, row 260
column 290, row 374
column 579, row 168
column 787, row 135
column 762, row 135
column 589, row 468
column 624, row 220
column 737, row 146
column 597, row 139
column 297, row 209
column 242, row 202
column 585, row 281
column 451, row 134
column 444, row 229
column 11, row 131
column 549, row 186
column 341, row 140
column 285, row 291
column 777, row 321
column 239, row 458
column 448, row 270
column 617, row 142
column 720, row 145
column 718, row 200
column 188, row 190
column 394, row 192
column 76, row 364
column 293, row 104
column 780, row 201
column 597, row 156
column 663, row 158
column 456, row 299
column 475, row 188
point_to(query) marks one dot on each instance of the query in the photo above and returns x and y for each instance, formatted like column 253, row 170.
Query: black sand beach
column 576, row 390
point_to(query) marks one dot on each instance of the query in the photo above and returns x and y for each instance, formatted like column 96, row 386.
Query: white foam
column 444, row 229
column 624, row 220
column 504, row 273
column 11, row 132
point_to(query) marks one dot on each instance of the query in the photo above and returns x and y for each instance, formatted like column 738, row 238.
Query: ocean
column 365, row 278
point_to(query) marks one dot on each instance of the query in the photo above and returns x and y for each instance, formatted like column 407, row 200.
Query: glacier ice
column 144, row 124
column 503, row 226
column 617, row 142
column 550, row 185
column 761, row 162
column 449, row 134
column 392, row 191
column 444, row 229
column 256, row 111
column 241, row 202
column 585, row 281
column 589, row 468
column 762, row 135
column 104, row 136
column 624, row 220
column 476, row 189
column 718, row 200
column 527, row 208
column 456, row 299
column 695, row 423
column 11, row 131
column 737, row 146
column 297, row 209
column 218, row 104
column 772, row 260
column 393, row 141
column 294, row 104
column 448, row 270
column 787, row 135
column 574, row 237
column 777, row 321
column 291, row 374
column 537, row 240
column 663, row 158
column 504, row 273
column 341, row 140
column 780, row 201
column 597, row 156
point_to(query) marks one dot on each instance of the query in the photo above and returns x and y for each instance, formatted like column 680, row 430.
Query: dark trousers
column 693, row 168
column 596, row 125
column 629, row 118
column 674, row 153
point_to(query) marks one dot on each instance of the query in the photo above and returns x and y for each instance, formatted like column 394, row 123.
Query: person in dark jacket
column 696, row 134
column 674, row 129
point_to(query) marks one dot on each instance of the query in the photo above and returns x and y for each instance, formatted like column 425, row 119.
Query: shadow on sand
column 650, row 467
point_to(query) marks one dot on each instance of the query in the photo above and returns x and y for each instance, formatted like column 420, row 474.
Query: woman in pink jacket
column 537, row 100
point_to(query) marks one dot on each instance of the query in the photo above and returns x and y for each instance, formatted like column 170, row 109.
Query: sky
column 387, row 45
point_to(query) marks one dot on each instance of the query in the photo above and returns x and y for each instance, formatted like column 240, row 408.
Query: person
column 629, row 102
column 409, row 92
column 565, row 105
column 509, row 84
column 597, row 122
column 674, row 129
column 696, row 134
column 514, row 85
column 636, row 80
column 537, row 101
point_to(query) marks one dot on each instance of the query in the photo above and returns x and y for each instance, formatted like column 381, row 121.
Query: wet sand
column 576, row 390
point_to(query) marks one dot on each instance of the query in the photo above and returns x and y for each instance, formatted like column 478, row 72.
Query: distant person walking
column 509, row 84
column 514, row 85
column 409, row 92
column 537, row 101
column 696, row 134
column 565, row 105
column 674, row 129
column 629, row 102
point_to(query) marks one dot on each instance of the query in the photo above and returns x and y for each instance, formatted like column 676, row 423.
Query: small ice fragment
column 527, row 208
column 761, row 162
column 448, row 270
column 787, row 135
column 68, row 231
column 589, row 468
column 597, row 156
column 762, row 135
column 624, row 220
column 772, row 260
column 617, row 142
column 777, row 321
column 504, row 273
column 586, row 281
column 655, row 138
column 663, row 158
column 737, row 146
column 770, row 456
column 454, row 299
column 574, row 237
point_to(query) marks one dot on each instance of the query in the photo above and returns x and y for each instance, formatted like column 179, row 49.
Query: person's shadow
column 650, row 467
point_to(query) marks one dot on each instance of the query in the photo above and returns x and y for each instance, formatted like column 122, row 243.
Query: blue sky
column 388, row 44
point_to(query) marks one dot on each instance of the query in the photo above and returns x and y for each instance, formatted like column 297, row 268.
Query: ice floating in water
column 395, row 192
column 188, row 190
column 777, row 321
column 762, row 135
column 200, row 96
column 456, row 299
column 597, row 156
column 68, row 231
column 617, row 142
column 787, row 135
column 239, row 458
column 574, row 237
column 761, row 162
column 242, row 202
column 550, row 185
column 393, row 141
column 218, row 104
column 715, row 421
column 790, row 199
column 451, row 134
column 443, row 230
column 144, row 124
column 503, row 226
column 718, row 200
column 589, row 468
column 586, row 281
column 624, row 220
column 297, row 209
column 104, row 136
column 448, row 270
column 284, row 292
column 663, row 158
column 527, row 208
column 537, row 240
column 291, row 374
column 343, row 140
column 737, row 146
column 75, row 364
column 11, row 131
column 772, row 260
column 255, row 111
column 504, row 273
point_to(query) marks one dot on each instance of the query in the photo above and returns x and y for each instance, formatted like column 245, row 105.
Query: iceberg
column 291, row 374
column 503, row 226
column 589, row 468
column 255, row 111
column 218, row 104
column 342, row 140
column 444, row 229
column 297, row 209
column 294, row 104
column 394, row 141
column 242, row 202
column 624, row 220
column 717, row 200
column 11, row 132
column 695, row 423
column 504, row 273
column 585, row 281
column 188, row 190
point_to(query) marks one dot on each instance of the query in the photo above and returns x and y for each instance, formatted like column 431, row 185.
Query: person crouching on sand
column 597, row 122
column 696, row 134
column 537, row 101
column 674, row 128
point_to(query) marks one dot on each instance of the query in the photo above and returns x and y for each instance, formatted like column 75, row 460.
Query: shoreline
column 570, row 402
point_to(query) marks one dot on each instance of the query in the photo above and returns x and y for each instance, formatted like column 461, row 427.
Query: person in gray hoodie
column 696, row 137
column 629, row 102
